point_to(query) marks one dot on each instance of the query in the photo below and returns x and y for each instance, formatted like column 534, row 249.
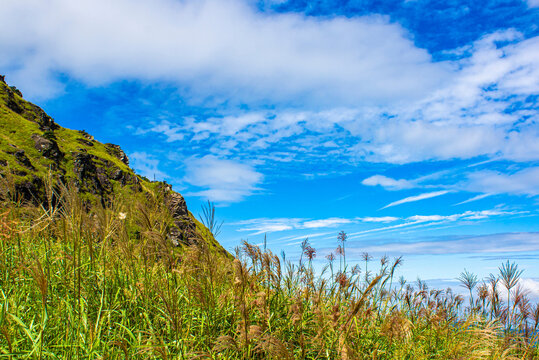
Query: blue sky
column 411, row 125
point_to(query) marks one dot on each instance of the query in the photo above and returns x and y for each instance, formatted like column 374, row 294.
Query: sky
column 410, row 125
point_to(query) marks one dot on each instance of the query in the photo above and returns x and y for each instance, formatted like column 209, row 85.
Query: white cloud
column 494, row 243
column 146, row 165
column 220, row 48
column 424, row 218
column 382, row 219
column 465, row 118
column 265, row 225
column 267, row 228
column 523, row 182
column 171, row 131
column 417, row 198
column 324, row 223
column 356, row 87
column 421, row 221
column 475, row 198
column 224, row 180
column 533, row 3
column 387, row 183
column 530, row 285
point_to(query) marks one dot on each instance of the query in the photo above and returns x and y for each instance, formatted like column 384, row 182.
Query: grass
column 105, row 283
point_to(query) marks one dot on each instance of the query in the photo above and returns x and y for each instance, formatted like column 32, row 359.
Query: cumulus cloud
column 222, row 180
column 486, row 109
column 219, row 48
column 416, row 198
column 338, row 89
column 387, row 183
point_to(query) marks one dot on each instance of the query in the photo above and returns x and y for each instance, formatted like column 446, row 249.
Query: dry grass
column 105, row 283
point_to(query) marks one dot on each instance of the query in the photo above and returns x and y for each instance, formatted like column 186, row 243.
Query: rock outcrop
column 117, row 152
column 49, row 148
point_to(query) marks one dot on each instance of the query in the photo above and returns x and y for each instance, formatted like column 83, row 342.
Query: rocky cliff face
column 32, row 145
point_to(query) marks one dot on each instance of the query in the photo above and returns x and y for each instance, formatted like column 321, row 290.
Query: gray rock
column 117, row 152
column 21, row 157
column 48, row 148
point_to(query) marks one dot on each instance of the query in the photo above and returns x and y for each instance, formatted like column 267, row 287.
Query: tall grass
column 105, row 283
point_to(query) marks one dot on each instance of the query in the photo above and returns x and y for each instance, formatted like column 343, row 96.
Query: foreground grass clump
column 106, row 284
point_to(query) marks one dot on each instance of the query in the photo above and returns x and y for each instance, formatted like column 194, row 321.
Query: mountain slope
column 32, row 146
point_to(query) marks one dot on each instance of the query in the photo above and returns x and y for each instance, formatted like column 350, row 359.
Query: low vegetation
column 105, row 283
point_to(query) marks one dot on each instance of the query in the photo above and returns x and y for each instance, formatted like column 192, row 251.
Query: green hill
column 33, row 147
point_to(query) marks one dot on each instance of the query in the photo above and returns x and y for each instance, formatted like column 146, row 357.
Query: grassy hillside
column 34, row 148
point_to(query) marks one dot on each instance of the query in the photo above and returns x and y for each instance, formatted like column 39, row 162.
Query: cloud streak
column 414, row 198
column 494, row 243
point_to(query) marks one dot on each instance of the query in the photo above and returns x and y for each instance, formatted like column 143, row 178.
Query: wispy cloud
column 475, row 198
column 269, row 225
column 494, row 243
column 265, row 225
column 416, row 198
column 324, row 223
column 420, row 221
column 172, row 132
column 380, row 219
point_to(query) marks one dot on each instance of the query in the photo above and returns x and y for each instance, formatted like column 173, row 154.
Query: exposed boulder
column 185, row 230
column 117, row 152
column 86, row 173
column 85, row 142
column 16, row 91
column 12, row 102
column 86, row 135
column 176, row 204
column 49, row 148
column 22, row 159
column 46, row 123
column 30, row 190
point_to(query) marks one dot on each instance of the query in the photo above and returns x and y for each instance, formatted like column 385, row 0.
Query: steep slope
column 32, row 146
